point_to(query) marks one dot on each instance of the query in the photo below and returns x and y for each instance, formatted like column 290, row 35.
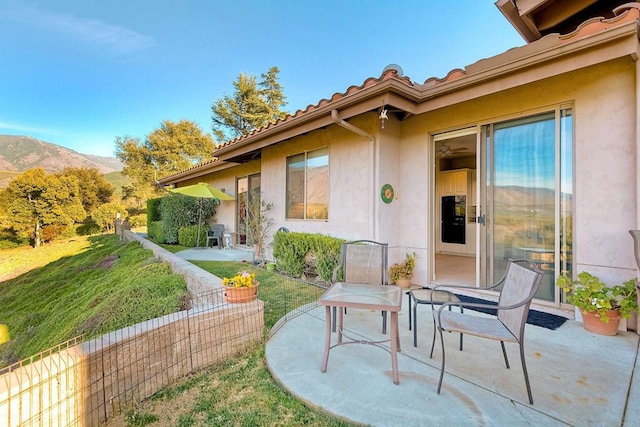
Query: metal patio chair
column 215, row 234
column 363, row 261
column 519, row 286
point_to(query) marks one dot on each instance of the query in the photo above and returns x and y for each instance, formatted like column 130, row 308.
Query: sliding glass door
column 248, row 191
column 526, row 196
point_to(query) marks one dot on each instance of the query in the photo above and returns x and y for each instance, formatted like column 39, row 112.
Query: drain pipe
column 637, row 147
column 373, row 210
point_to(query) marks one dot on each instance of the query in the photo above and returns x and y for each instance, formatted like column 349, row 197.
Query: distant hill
column 19, row 153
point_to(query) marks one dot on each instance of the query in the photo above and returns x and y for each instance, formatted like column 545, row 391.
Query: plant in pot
column 402, row 272
column 602, row 306
column 242, row 287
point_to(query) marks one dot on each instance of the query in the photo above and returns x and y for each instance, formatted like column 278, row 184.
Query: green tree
column 35, row 199
column 94, row 188
column 253, row 105
column 105, row 214
column 169, row 149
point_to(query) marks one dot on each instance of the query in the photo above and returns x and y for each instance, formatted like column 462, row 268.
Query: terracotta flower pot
column 592, row 322
column 403, row 283
column 241, row 294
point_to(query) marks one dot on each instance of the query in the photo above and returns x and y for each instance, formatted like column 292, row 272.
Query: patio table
column 360, row 296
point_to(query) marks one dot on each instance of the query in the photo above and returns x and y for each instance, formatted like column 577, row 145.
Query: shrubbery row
column 174, row 219
column 290, row 251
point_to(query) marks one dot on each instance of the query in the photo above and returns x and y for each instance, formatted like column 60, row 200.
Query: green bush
column 153, row 210
column 188, row 236
column 88, row 228
column 155, row 231
column 290, row 250
column 179, row 211
column 138, row 220
column 51, row 232
column 327, row 252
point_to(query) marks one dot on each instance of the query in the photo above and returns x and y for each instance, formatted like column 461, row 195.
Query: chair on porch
column 519, row 285
column 215, row 234
column 362, row 261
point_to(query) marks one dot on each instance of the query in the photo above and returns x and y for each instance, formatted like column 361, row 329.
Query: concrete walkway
column 215, row 254
column 577, row 378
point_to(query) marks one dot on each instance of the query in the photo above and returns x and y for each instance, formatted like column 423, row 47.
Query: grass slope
column 88, row 285
column 240, row 391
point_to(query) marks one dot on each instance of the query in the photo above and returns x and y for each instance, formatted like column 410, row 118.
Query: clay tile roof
column 351, row 90
column 624, row 14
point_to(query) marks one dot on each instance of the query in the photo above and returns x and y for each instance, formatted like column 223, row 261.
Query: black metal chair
column 519, row 286
column 363, row 261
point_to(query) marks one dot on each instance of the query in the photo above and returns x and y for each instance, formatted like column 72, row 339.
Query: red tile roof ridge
column 625, row 13
column 455, row 74
column 351, row 90
column 196, row 166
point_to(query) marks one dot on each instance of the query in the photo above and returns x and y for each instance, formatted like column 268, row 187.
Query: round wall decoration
column 387, row 193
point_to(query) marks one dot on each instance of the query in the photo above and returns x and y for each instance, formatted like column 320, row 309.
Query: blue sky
column 79, row 73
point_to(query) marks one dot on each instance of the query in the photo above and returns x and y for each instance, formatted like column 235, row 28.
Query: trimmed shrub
column 179, row 211
column 153, row 210
column 155, row 231
column 187, row 236
column 290, row 250
column 327, row 252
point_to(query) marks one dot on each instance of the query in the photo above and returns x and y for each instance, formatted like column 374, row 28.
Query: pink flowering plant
column 241, row 280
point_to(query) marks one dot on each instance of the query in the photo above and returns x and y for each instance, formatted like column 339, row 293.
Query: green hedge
column 153, row 209
column 187, row 236
column 290, row 250
column 327, row 252
column 179, row 211
column 155, row 231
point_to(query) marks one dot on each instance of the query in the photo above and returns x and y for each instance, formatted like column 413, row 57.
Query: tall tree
column 94, row 188
column 35, row 199
column 253, row 105
column 171, row 148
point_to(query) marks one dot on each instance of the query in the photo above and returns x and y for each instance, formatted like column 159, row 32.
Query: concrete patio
column 577, row 378
column 214, row 254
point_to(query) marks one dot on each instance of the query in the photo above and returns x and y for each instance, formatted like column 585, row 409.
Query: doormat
column 535, row 317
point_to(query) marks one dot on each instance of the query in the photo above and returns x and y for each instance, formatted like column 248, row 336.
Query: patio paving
column 577, row 378
column 215, row 254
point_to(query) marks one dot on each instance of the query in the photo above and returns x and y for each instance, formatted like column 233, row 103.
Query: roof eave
column 376, row 96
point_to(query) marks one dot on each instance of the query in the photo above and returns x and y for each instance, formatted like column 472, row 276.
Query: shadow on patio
column 577, row 378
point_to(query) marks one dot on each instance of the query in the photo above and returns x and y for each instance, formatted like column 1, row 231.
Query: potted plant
column 402, row 272
column 242, row 287
column 601, row 306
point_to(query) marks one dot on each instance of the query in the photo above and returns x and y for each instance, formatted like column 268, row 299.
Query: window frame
column 305, row 201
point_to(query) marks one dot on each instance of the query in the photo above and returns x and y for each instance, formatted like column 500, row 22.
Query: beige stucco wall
column 350, row 200
column 401, row 154
column 603, row 98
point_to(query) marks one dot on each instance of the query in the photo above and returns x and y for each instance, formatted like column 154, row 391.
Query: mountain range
column 19, row 153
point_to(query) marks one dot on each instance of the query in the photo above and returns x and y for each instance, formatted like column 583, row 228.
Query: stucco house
column 532, row 153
